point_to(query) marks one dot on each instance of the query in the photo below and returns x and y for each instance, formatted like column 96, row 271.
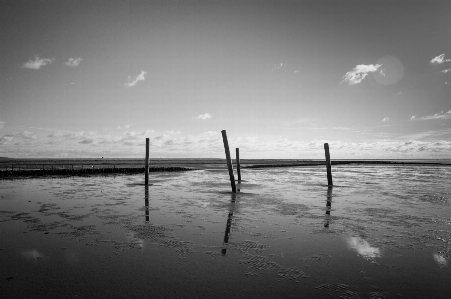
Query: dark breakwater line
column 86, row 171
column 343, row 163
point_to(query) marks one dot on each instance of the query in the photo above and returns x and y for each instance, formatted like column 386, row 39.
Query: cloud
column 277, row 66
column 27, row 135
column 73, row 62
column 301, row 121
column 2, row 124
column 58, row 134
column 440, row 115
column 445, row 71
column 37, row 63
column 440, row 59
column 126, row 126
column 172, row 132
column 359, row 73
column 6, row 139
column 386, row 119
column 203, row 116
column 140, row 77
column 86, row 141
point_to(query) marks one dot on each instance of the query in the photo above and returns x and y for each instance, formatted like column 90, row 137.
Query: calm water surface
column 380, row 232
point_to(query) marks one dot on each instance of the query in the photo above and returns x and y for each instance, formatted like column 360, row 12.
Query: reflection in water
column 440, row 259
column 32, row 254
column 364, row 248
column 135, row 241
column 328, row 206
column 229, row 224
column 146, row 201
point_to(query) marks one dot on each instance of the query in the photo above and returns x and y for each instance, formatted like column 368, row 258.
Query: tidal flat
column 382, row 231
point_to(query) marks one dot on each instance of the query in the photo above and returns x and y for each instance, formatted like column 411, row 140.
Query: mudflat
column 383, row 231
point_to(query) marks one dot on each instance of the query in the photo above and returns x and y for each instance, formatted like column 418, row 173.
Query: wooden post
column 229, row 161
column 147, row 162
column 238, row 163
column 329, row 169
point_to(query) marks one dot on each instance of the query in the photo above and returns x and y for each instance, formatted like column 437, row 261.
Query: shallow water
column 380, row 232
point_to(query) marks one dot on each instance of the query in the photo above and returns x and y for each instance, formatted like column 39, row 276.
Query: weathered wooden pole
column 229, row 160
column 329, row 169
column 238, row 163
column 146, row 180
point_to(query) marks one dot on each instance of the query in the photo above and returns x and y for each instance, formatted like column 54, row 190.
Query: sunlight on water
column 379, row 232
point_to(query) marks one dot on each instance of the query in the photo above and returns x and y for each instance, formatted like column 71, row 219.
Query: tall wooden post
column 238, row 164
column 329, row 169
column 229, row 160
column 146, row 180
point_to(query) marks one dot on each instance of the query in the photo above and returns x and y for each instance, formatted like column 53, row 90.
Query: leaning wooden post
column 329, row 169
column 147, row 162
column 229, row 161
column 238, row 164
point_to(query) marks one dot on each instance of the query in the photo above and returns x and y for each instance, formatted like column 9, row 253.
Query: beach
column 382, row 231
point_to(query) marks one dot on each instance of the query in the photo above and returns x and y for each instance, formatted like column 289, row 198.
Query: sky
column 96, row 78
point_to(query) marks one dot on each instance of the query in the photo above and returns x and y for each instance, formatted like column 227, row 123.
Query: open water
column 380, row 232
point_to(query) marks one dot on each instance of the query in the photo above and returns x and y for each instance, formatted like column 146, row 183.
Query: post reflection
column 328, row 206
column 229, row 224
column 146, row 201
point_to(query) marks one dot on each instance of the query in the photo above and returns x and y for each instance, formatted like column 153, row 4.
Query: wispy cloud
column 386, row 119
column 277, row 66
column 446, row 71
column 86, row 141
column 73, row 62
column 172, row 132
column 441, row 115
column 37, row 63
column 440, row 59
column 138, row 78
column 434, row 144
column 126, row 126
column 203, row 116
column 6, row 139
column 27, row 135
column 359, row 73
column 2, row 124
column 302, row 121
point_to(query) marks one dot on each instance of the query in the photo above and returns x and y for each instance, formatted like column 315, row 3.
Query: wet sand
column 381, row 232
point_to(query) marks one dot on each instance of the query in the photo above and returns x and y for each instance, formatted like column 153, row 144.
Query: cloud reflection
column 363, row 248
column 32, row 254
column 440, row 259
column 135, row 241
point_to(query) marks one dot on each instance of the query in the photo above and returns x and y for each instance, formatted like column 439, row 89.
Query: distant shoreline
column 200, row 163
